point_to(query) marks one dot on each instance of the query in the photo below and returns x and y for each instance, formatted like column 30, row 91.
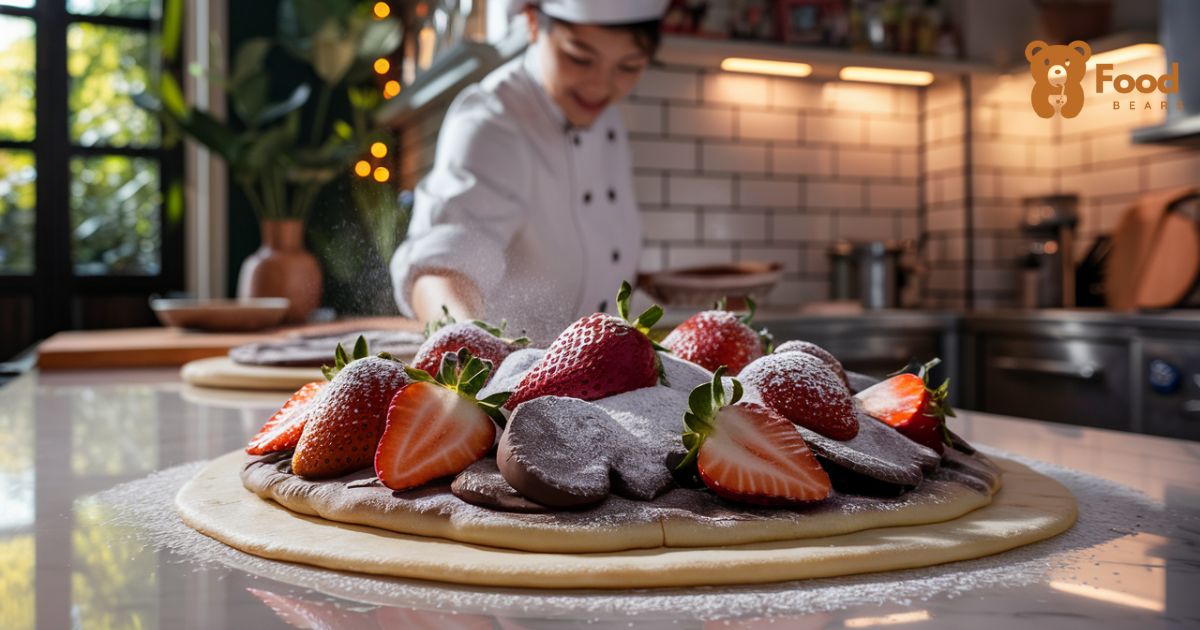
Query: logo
column 1057, row 77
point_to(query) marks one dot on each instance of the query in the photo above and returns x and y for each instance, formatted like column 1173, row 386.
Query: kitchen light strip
column 885, row 75
column 766, row 66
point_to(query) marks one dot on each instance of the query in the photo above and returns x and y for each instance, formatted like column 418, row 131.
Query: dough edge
column 1029, row 507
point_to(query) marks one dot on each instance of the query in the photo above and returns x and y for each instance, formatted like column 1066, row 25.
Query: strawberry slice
column 436, row 427
column 748, row 453
column 906, row 403
column 282, row 430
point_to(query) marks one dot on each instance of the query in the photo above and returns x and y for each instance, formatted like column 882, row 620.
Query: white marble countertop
column 63, row 563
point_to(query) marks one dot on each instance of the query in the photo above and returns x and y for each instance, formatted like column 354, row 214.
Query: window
column 90, row 201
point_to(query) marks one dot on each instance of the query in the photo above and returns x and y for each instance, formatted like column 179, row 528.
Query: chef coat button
column 587, row 197
column 616, row 256
column 612, row 195
column 612, row 136
column 602, row 306
column 575, row 139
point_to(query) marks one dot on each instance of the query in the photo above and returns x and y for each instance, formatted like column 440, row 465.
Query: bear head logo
column 1057, row 77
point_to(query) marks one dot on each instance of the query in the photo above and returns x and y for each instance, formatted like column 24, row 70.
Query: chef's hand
column 435, row 289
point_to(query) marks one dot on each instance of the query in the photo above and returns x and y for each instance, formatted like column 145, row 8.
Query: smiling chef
column 528, row 213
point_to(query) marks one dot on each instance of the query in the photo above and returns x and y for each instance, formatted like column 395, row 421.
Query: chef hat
column 596, row 11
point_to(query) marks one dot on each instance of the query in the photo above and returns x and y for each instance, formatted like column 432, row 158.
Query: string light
column 421, row 10
column 391, row 88
column 378, row 149
column 381, row 174
column 382, row 10
column 382, row 66
column 362, row 168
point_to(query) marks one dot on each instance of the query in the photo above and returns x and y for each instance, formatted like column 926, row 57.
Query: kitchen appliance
column 869, row 272
column 1171, row 387
column 1048, row 275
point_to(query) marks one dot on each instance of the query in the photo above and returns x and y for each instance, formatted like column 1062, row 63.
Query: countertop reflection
column 66, row 436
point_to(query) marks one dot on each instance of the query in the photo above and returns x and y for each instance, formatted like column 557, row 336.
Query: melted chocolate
column 482, row 484
column 877, row 451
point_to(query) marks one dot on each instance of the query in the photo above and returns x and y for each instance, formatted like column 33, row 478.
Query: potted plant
column 280, row 165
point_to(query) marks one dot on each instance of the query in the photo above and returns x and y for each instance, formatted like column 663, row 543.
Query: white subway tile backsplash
column 1180, row 170
column 668, row 84
column 891, row 133
column 892, row 196
column 733, row 158
column 836, row 128
column 653, row 259
column 799, row 292
column 779, row 127
column 844, row 97
column 648, row 189
column 803, row 227
column 664, row 154
column 642, row 117
column 834, row 195
column 670, row 225
column 786, row 160
column 709, row 190
column 757, row 193
column 789, row 257
column 865, row 227
column 705, row 121
column 694, row 255
column 865, row 163
column 735, row 89
column 733, row 226
column 794, row 94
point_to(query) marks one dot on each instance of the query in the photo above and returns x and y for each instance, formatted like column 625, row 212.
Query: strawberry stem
column 699, row 420
column 465, row 374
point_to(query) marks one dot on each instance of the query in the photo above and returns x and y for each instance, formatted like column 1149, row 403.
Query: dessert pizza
column 502, row 464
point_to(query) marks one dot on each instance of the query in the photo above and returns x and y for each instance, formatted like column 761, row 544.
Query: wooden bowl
column 703, row 286
column 240, row 315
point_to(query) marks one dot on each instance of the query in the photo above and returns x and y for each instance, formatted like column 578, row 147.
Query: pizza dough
column 1030, row 507
column 222, row 372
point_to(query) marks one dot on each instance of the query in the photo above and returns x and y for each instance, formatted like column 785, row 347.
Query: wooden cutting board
column 165, row 347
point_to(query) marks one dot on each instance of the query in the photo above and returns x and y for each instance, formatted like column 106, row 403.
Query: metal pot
column 868, row 272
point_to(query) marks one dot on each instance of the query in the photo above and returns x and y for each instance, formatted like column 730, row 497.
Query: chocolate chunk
column 847, row 481
column 512, row 369
column 482, row 484
column 566, row 452
column 877, row 451
column 683, row 375
column 960, row 444
column 858, row 382
column 318, row 350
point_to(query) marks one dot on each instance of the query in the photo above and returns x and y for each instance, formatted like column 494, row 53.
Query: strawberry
column 447, row 335
column 801, row 388
column 746, row 452
column 597, row 356
column 810, row 348
column 283, row 428
column 906, row 403
column 718, row 337
column 343, row 423
column 436, row 427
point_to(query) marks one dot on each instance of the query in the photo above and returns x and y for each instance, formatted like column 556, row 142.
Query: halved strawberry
column 905, row 402
column 436, row 427
column 746, row 452
column 283, row 428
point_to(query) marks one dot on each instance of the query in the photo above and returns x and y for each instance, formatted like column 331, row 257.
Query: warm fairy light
column 381, row 174
column 382, row 66
column 886, row 75
column 378, row 149
column 362, row 168
column 391, row 88
column 382, row 10
column 766, row 66
column 421, row 10
column 1127, row 53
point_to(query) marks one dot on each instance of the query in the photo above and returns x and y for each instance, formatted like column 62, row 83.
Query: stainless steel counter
column 63, row 563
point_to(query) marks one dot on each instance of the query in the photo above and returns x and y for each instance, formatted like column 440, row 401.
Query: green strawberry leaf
column 360, row 348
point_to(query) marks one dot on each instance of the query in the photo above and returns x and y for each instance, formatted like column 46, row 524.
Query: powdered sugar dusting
column 1107, row 511
column 804, row 390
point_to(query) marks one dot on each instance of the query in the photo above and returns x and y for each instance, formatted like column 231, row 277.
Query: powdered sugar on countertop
column 1107, row 511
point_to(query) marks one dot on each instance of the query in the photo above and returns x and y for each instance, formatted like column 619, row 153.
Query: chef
column 528, row 213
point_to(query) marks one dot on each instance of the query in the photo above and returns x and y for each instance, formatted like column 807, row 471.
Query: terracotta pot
column 281, row 267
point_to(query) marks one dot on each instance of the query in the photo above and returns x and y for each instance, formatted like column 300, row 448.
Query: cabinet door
column 1075, row 381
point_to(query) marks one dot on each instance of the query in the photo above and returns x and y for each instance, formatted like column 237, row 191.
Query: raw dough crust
column 1030, row 507
column 222, row 372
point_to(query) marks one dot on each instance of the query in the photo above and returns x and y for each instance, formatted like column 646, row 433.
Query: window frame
column 53, row 285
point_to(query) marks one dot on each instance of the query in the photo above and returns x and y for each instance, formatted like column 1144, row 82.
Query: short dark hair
column 647, row 35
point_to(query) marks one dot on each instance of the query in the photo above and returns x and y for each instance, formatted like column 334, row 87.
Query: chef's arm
column 433, row 289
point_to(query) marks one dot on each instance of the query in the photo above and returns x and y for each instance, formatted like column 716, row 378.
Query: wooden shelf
column 708, row 53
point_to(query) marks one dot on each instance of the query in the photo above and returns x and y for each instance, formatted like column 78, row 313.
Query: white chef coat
column 539, row 215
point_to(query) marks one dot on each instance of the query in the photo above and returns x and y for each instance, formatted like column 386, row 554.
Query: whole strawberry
column 808, row 347
column 718, row 337
column 907, row 403
column 597, row 356
column 483, row 340
column 804, row 390
column 342, row 425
